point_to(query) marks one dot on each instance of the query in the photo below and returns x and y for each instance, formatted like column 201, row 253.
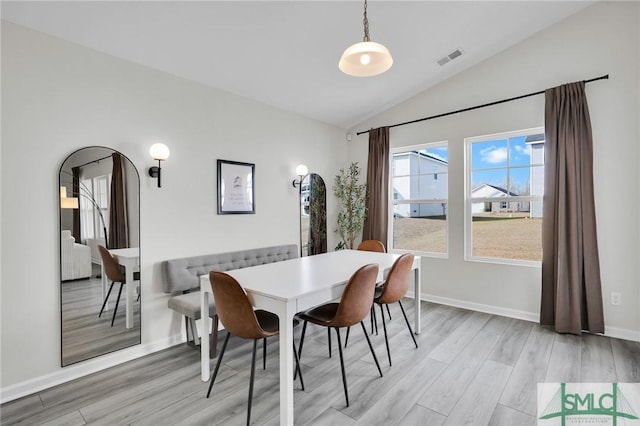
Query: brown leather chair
column 377, row 246
column 372, row 245
column 355, row 303
column 240, row 319
column 393, row 290
column 115, row 274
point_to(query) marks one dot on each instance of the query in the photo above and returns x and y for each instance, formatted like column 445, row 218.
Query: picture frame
column 236, row 187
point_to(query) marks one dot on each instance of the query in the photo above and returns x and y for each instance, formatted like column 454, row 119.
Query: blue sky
column 499, row 161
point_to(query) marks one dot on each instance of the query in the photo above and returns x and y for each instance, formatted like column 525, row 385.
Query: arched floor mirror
column 99, row 207
column 313, row 215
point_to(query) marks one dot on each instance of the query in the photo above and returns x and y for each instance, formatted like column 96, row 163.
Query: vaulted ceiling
column 285, row 53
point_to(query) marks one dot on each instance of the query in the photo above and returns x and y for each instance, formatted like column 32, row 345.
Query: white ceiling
column 285, row 53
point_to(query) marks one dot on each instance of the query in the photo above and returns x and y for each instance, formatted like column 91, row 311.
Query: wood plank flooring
column 84, row 335
column 470, row 369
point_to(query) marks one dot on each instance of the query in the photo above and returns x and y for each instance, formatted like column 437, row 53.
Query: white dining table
column 291, row 286
column 130, row 259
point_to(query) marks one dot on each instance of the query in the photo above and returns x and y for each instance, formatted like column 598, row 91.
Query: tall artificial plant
column 352, row 195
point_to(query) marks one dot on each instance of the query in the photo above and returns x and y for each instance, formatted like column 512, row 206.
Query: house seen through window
column 419, row 181
column 505, row 181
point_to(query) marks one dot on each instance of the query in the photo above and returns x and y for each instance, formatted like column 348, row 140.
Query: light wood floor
column 470, row 369
column 84, row 335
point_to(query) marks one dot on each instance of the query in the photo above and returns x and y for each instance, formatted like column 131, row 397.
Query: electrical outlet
column 616, row 298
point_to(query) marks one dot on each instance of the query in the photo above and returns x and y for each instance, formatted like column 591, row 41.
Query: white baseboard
column 615, row 332
column 85, row 368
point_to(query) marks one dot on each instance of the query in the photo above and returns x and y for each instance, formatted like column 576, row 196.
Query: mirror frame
column 93, row 353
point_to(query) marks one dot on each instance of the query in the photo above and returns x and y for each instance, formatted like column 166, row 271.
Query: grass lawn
column 499, row 235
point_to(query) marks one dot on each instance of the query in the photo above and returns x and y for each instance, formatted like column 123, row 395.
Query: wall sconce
column 301, row 171
column 160, row 152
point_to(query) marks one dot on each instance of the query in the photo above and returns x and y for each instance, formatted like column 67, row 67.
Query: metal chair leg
column 386, row 339
column 115, row 309
column 329, row 336
column 215, row 371
column 105, row 299
column 298, row 369
column 264, row 353
column 304, row 330
column 408, row 325
column 375, row 358
column 344, row 376
column 253, row 373
column 346, row 339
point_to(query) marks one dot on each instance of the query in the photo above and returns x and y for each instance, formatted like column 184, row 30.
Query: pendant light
column 367, row 58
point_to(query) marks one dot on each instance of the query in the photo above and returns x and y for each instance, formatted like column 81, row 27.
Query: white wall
column 58, row 97
column 602, row 39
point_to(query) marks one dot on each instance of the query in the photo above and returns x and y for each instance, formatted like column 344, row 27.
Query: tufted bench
column 182, row 280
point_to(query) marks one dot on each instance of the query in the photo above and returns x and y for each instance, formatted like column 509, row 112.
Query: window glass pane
column 421, row 227
column 401, row 188
column 489, row 183
column 519, row 181
column 420, row 174
column 519, row 152
column 489, row 154
column 506, row 235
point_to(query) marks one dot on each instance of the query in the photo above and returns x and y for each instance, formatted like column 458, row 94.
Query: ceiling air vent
column 450, row 57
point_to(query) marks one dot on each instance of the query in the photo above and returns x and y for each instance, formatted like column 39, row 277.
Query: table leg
column 416, row 299
column 286, row 363
column 204, row 336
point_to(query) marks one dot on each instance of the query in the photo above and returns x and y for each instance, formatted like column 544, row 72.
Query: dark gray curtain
column 118, row 236
column 375, row 223
column 76, row 212
column 571, row 290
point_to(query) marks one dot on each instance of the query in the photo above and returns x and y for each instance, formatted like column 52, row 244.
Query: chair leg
column 329, row 336
column 346, row 339
column 215, row 371
column 375, row 319
column 253, row 373
column 375, row 358
column 386, row 339
column 115, row 310
column 389, row 312
column 298, row 370
column 264, row 353
column 408, row 325
column 105, row 299
column 304, row 330
column 344, row 376
column 372, row 314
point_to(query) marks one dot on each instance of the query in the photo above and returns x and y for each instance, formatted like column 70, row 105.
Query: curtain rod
column 604, row 77
column 95, row 161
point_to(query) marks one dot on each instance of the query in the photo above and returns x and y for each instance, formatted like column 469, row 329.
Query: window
column 95, row 189
column 419, row 184
column 505, row 181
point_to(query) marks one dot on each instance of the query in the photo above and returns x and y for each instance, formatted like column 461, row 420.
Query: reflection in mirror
column 313, row 215
column 99, row 207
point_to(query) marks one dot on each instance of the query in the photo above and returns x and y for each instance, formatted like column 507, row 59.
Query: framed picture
column 236, row 187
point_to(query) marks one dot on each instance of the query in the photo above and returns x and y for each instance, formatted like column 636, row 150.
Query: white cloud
column 494, row 155
column 522, row 150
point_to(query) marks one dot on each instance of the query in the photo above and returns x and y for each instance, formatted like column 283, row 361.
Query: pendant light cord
column 365, row 21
